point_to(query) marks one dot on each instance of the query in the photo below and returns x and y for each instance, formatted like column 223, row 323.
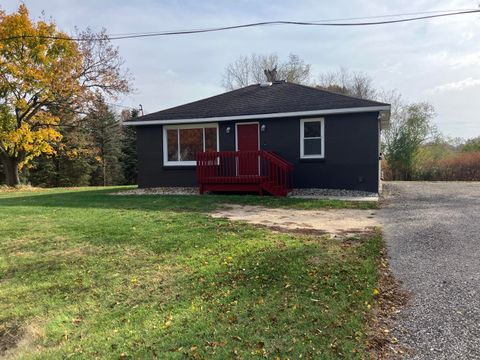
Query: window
column 182, row 142
column 312, row 138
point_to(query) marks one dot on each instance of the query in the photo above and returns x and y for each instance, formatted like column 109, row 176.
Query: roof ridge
column 335, row 93
column 207, row 98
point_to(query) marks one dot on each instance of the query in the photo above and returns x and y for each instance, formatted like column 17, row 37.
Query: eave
column 385, row 108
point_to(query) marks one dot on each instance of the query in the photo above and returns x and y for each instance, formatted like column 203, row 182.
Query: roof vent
column 266, row 84
column 271, row 74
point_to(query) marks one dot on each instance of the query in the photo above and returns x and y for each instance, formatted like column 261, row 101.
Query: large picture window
column 182, row 142
column 312, row 138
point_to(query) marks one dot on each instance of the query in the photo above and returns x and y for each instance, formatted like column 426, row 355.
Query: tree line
column 96, row 150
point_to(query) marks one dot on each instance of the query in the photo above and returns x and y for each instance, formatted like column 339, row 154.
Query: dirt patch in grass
column 72, row 252
column 10, row 335
column 16, row 338
column 19, row 188
column 338, row 222
column 389, row 299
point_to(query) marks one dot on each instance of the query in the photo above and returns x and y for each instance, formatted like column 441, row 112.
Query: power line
column 256, row 24
column 316, row 21
column 400, row 14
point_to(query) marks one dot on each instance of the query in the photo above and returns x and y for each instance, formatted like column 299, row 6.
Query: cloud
column 456, row 85
column 170, row 73
column 456, row 61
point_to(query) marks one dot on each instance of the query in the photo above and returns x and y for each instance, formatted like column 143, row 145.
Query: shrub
column 461, row 167
column 454, row 167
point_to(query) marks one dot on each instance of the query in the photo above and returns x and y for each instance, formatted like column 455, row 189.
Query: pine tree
column 129, row 149
column 90, row 152
column 105, row 130
column 76, row 157
column 70, row 165
column 2, row 174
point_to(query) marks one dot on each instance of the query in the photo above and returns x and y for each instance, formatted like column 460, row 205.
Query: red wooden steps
column 238, row 171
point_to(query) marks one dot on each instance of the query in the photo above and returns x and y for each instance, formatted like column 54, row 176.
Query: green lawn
column 84, row 274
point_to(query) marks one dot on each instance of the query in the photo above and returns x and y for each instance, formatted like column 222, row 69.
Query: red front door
column 247, row 140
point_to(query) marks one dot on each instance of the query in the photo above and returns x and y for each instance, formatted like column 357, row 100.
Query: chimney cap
column 271, row 74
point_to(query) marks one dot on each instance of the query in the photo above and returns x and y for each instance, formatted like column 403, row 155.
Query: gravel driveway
column 432, row 231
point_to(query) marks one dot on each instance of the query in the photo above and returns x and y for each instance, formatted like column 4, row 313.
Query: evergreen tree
column 129, row 149
column 2, row 175
column 76, row 157
column 70, row 165
column 105, row 130
column 41, row 172
column 91, row 153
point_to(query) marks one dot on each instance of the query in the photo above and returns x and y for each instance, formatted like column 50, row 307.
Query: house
column 266, row 137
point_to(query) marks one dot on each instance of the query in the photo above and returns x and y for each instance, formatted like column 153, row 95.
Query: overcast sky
column 434, row 60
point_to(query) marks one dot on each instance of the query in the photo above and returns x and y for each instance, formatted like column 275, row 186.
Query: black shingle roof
column 281, row 97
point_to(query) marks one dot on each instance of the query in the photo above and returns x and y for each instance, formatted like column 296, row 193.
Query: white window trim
column 166, row 162
column 322, row 136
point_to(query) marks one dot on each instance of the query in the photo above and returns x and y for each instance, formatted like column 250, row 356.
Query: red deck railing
column 244, row 171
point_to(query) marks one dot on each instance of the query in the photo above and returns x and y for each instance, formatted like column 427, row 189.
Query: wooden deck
column 253, row 171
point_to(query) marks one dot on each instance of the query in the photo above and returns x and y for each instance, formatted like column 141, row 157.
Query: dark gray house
column 267, row 137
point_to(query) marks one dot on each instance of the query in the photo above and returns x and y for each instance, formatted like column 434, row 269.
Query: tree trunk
column 104, row 172
column 10, row 167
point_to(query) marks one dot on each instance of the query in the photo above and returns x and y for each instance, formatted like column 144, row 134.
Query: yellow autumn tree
column 42, row 74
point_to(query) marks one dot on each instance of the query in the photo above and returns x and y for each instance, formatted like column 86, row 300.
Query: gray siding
column 351, row 153
column 151, row 172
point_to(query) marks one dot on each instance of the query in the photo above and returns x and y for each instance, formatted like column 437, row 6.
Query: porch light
column 263, row 127
column 227, row 130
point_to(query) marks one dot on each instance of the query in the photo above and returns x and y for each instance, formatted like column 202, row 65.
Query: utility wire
column 398, row 15
column 249, row 25
column 319, row 21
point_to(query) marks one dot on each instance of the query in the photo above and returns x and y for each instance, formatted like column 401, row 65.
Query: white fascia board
column 262, row 116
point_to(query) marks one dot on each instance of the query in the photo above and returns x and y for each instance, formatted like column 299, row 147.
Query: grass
column 101, row 276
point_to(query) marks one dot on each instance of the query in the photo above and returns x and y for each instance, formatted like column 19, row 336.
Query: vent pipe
column 271, row 74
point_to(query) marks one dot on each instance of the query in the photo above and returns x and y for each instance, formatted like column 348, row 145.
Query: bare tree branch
column 248, row 70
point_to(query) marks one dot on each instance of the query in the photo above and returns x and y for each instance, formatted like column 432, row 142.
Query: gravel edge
column 311, row 193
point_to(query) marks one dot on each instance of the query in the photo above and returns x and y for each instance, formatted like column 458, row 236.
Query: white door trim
column 246, row 123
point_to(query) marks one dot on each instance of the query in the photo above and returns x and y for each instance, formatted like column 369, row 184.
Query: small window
column 312, row 138
column 182, row 142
